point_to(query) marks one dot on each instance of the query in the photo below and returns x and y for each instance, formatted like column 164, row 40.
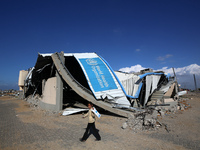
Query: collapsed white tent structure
column 68, row 78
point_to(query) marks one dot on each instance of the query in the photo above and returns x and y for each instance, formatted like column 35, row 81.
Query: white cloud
column 162, row 58
column 184, row 74
column 189, row 70
column 168, row 55
column 135, row 68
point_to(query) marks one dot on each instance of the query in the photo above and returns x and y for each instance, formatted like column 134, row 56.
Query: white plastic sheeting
column 182, row 93
column 69, row 111
column 135, row 89
column 151, row 85
column 165, row 88
column 129, row 85
column 124, row 76
column 155, row 80
column 148, row 88
column 128, row 82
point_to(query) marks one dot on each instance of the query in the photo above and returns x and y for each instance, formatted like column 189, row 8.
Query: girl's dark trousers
column 91, row 127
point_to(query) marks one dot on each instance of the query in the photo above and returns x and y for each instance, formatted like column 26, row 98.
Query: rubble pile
column 142, row 121
column 150, row 119
column 33, row 100
column 34, row 104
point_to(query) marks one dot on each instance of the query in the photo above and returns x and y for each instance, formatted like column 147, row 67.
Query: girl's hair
column 90, row 103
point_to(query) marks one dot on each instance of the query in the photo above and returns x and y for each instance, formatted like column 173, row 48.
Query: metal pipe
column 195, row 82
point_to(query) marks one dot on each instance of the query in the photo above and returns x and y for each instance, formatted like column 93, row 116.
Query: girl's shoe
column 81, row 140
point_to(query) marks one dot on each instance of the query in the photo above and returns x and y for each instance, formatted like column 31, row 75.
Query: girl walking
column 91, row 125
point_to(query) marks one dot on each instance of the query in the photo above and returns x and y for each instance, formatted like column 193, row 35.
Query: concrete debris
column 33, row 101
column 142, row 121
column 124, row 126
column 151, row 119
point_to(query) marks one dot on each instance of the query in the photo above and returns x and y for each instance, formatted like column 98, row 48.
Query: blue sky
column 152, row 33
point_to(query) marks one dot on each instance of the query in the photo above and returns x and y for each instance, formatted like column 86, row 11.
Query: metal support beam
column 195, row 82
column 59, row 88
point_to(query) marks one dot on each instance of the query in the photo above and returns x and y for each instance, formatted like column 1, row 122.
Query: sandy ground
column 23, row 127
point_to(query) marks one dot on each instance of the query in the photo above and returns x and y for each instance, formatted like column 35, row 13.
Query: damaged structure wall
column 52, row 97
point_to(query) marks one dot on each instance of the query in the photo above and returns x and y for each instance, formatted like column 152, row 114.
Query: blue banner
column 98, row 74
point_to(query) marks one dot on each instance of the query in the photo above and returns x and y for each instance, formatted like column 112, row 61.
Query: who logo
column 91, row 61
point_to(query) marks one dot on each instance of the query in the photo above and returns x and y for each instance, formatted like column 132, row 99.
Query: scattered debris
column 33, row 101
column 124, row 126
column 151, row 119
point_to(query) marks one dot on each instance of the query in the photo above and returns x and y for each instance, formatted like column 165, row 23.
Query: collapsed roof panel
column 99, row 76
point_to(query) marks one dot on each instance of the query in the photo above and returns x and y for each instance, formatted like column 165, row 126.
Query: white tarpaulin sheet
column 135, row 89
column 129, row 85
column 182, row 93
column 128, row 82
column 148, row 88
column 70, row 111
column 155, row 80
